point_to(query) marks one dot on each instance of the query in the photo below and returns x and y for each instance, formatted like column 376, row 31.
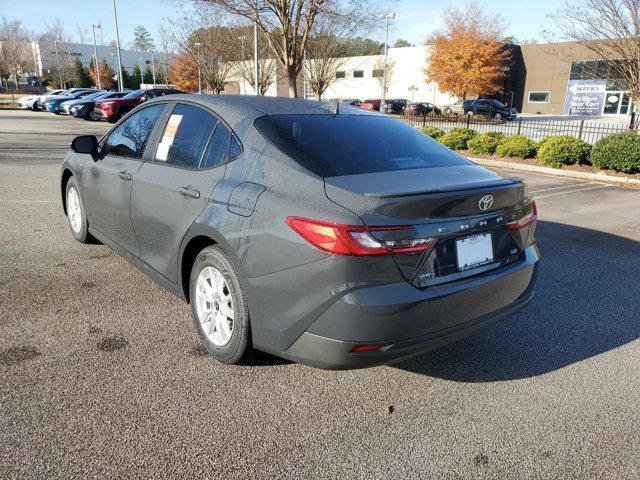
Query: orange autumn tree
column 106, row 75
column 467, row 56
column 184, row 73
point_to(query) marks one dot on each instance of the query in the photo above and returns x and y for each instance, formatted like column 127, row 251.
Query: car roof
column 237, row 110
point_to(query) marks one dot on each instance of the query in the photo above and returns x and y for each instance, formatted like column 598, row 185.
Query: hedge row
column 619, row 152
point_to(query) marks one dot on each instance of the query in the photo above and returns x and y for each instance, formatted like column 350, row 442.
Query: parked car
column 372, row 104
column 83, row 108
column 456, row 108
column 490, row 108
column 367, row 249
column 350, row 102
column 395, row 106
column 54, row 103
column 64, row 106
column 112, row 110
column 422, row 108
column 32, row 102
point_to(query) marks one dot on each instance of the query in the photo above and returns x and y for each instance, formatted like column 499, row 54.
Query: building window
column 340, row 74
column 358, row 73
column 538, row 97
column 378, row 73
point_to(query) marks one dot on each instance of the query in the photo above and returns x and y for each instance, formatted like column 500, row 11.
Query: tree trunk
column 292, row 79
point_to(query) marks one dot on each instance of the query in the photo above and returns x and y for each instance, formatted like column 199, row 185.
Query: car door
column 106, row 183
column 172, row 189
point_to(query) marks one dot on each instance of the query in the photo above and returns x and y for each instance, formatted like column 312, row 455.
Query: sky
column 415, row 19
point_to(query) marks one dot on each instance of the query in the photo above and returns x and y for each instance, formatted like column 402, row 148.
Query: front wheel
column 219, row 307
column 75, row 213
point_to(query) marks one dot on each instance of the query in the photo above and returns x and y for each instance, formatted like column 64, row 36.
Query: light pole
column 256, row 67
column 96, row 68
column 386, row 53
column 244, row 87
column 55, row 43
column 197, row 44
column 153, row 69
column 115, row 16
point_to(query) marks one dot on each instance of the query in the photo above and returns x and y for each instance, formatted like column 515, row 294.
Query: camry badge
column 485, row 202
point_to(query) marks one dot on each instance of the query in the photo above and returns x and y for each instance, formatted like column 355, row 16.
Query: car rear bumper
column 407, row 321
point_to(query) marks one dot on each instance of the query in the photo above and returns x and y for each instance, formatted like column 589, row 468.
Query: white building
column 360, row 78
column 49, row 56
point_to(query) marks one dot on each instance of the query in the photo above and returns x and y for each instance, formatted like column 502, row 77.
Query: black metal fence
column 588, row 130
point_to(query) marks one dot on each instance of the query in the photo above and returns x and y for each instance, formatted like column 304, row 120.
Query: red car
column 373, row 104
column 113, row 109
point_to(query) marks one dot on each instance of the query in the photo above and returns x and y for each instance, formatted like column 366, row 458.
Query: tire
column 36, row 106
column 228, row 340
column 77, row 219
column 498, row 116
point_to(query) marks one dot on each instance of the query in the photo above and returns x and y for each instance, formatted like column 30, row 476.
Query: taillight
column 530, row 214
column 355, row 239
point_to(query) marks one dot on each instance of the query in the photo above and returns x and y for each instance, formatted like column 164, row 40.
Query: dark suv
column 490, row 108
column 115, row 108
column 395, row 106
column 367, row 249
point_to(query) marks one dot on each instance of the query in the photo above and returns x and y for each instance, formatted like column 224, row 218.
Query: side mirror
column 85, row 144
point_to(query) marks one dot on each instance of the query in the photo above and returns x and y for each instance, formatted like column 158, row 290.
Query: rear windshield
column 135, row 93
column 332, row 146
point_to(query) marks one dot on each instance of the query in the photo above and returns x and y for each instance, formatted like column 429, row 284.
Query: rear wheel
column 219, row 307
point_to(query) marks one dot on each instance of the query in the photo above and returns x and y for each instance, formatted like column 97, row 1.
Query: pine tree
column 136, row 79
column 127, row 82
column 80, row 77
column 148, row 75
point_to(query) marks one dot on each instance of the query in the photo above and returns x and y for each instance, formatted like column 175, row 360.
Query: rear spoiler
column 500, row 183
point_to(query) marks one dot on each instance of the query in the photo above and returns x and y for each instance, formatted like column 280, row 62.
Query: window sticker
column 170, row 131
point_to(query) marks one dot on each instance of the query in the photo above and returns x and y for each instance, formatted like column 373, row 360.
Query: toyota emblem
column 485, row 202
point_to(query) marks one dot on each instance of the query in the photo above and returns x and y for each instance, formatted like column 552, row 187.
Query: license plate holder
column 474, row 251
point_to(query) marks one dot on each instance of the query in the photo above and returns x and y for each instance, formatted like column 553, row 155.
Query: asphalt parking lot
column 102, row 376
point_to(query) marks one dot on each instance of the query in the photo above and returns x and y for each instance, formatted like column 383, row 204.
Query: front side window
column 130, row 137
column 185, row 136
column 359, row 144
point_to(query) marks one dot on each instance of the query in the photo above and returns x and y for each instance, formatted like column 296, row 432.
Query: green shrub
column 538, row 145
column 516, row 146
column 457, row 138
column 563, row 150
column 620, row 152
column 433, row 132
column 485, row 143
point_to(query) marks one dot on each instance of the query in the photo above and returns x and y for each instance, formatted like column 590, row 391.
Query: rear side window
column 185, row 136
column 339, row 145
column 218, row 149
column 130, row 137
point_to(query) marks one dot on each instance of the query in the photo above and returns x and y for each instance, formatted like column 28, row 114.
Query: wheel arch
column 64, row 179
column 198, row 237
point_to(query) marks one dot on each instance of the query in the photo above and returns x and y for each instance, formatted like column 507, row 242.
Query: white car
column 33, row 102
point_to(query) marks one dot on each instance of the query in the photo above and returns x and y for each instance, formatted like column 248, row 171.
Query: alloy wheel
column 74, row 209
column 214, row 306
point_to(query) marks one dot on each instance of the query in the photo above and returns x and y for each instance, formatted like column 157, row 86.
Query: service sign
column 585, row 97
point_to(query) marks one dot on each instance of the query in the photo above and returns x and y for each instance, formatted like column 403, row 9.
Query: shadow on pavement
column 587, row 302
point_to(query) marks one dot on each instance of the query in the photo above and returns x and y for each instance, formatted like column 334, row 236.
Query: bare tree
column 288, row 25
column 82, row 32
column 14, row 51
column 611, row 30
column 202, row 34
column 246, row 66
column 166, row 46
column 378, row 67
column 327, row 52
column 56, row 55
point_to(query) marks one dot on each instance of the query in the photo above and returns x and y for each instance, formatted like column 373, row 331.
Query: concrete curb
column 556, row 172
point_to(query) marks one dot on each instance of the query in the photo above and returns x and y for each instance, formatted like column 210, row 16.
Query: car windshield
column 359, row 144
column 496, row 103
column 93, row 96
column 135, row 93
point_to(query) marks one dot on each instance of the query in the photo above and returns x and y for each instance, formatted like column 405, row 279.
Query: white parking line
column 558, row 187
column 592, row 187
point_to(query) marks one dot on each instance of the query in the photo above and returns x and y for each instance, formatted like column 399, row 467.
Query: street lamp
column 256, row 67
column 96, row 68
column 115, row 16
column 386, row 18
column 243, row 38
column 197, row 44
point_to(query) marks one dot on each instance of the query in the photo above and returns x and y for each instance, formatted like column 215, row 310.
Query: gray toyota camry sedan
column 329, row 235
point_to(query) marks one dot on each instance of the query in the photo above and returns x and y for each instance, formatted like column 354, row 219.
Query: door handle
column 124, row 175
column 189, row 192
